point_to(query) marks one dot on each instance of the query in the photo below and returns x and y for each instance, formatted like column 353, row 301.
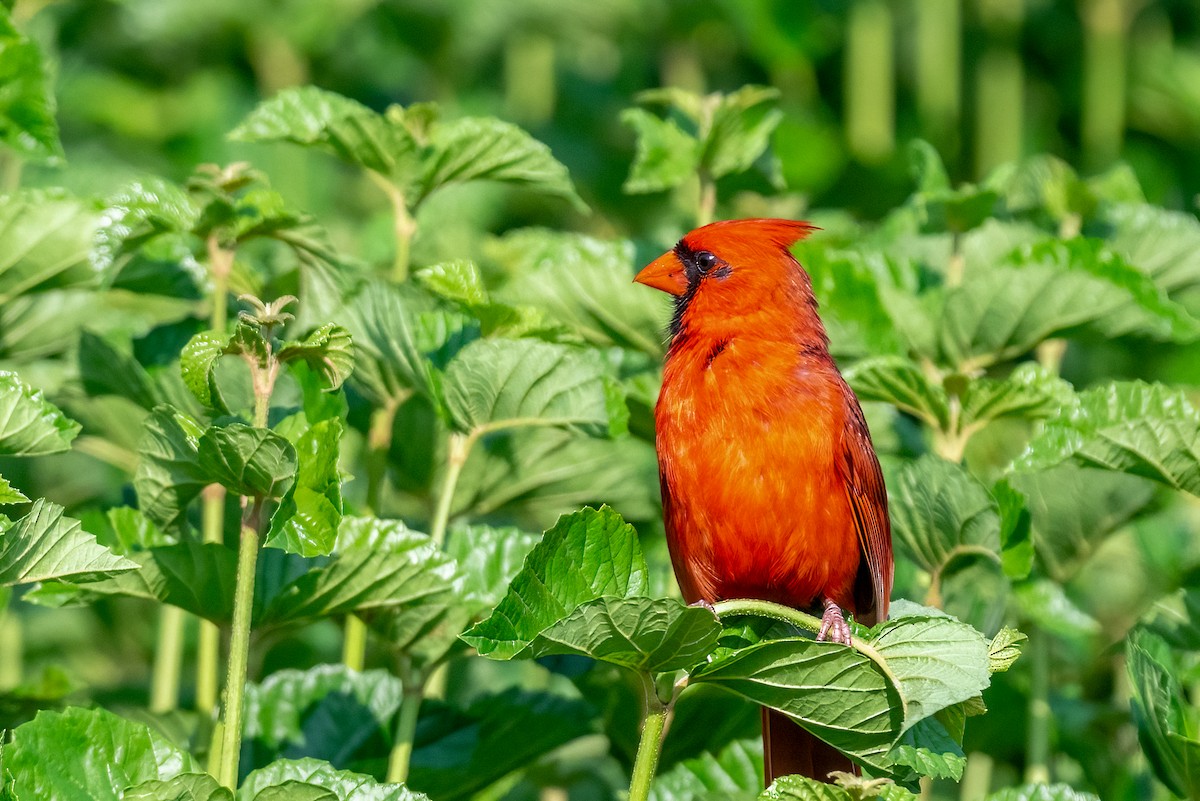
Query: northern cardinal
column 770, row 485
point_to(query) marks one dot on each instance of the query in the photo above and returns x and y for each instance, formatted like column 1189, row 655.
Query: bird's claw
column 833, row 625
column 703, row 604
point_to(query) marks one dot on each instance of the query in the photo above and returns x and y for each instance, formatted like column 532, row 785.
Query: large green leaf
column 901, row 382
column 87, row 755
column 666, row 156
column 29, row 424
column 328, row 712
column 327, row 350
column 45, row 241
column 1167, row 727
column 1163, row 244
column 1030, row 392
column 184, row 787
column 169, row 475
column 1149, row 430
column 343, row 785
column 139, row 212
column 105, row 369
column 27, row 122
column 653, row 635
column 847, row 284
column 488, row 558
column 585, row 283
column 586, row 556
column 501, row 384
column 740, row 130
column 45, row 545
column 459, row 752
column 254, row 462
column 306, row 521
column 488, row 149
column 328, row 121
column 734, row 773
column 376, row 564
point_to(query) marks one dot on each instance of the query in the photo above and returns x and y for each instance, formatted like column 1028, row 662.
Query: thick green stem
column 11, row 655
column 220, row 265
column 939, row 70
column 706, row 207
column 354, row 643
column 1105, row 29
column 379, row 442
column 977, row 777
column 208, row 647
column 459, row 449
column 406, row 723
column 1037, row 738
column 869, row 85
column 168, row 660
column 654, row 727
column 999, row 87
column 239, row 651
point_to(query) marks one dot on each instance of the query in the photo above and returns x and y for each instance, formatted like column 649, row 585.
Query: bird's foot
column 703, row 604
column 833, row 625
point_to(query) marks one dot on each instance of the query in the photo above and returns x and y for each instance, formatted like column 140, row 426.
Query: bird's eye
column 706, row 261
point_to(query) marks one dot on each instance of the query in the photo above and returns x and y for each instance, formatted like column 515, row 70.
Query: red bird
column 770, row 485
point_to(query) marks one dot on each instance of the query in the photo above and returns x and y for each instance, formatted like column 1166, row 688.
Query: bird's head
column 733, row 269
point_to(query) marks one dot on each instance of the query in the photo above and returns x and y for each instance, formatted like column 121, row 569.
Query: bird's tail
column 787, row 749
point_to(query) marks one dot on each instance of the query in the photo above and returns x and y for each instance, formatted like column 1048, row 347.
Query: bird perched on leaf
column 770, row 485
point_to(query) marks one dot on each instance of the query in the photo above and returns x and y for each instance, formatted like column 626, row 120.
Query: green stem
column 1037, row 738
column 239, row 650
column 403, row 225
column 459, row 449
column 208, row 647
column 869, row 81
column 939, row 70
column 168, row 660
column 379, row 442
column 11, row 667
column 706, row 207
column 654, row 727
column 406, row 724
column 752, row 606
column 220, row 266
column 977, row 777
column 999, row 86
column 1105, row 29
column 354, row 643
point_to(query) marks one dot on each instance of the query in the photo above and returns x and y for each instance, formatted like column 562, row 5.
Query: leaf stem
column 208, row 647
column 239, row 647
column 403, row 225
column 354, row 643
column 220, row 266
column 706, row 207
column 1037, row 739
column 379, row 442
column 654, row 726
column 168, row 660
column 459, row 449
column 406, row 724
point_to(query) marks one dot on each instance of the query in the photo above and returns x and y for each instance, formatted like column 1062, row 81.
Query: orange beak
column 665, row 273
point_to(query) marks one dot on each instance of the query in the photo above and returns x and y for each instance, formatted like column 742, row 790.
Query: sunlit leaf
column 344, row 785
column 1005, row 649
column 929, row 750
column 1148, row 430
column 9, row 493
column 666, row 155
column 27, row 109
column 1165, row 725
column 306, row 521
column 901, row 382
column 254, row 462
column 169, row 474
column 1042, row 792
column 45, row 545
column 29, row 424
column 736, row 772
column 184, row 787
column 586, row 556
column 88, row 755
column 488, row 558
column 740, row 130
column 328, row 350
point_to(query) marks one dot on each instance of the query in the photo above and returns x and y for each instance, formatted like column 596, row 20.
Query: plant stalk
column 406, row 724
column 654, row 726
column 208, row 647
column 11, row 655
column 459, row 449
column 220, row 266
column 168, row 660
column 706, row 207
column 869, row 81
column 354, row 643
column 977, row 777
column 1037, row 739
column 239, row 651
column 403, row 225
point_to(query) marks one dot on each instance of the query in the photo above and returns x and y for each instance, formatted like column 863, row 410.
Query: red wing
column 868, row 503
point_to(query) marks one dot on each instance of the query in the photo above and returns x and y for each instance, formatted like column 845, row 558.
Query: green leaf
column 1166, row 726
column 929, row 750
column 586, row 556
column 328, row 350
column 901, row 382
column 197, row 364
column 184, row 787
column 666, row 155
column 139, row 212
column 45, row 545
column 584, row 283
column 802, row 788
column 734, row 773
column 457, row 753
column 249, row 461
column 29, row 424
column 939, row 512
column 1163, row 244
column 88, row 755
column 328, row 712
column 344, row 785
column 654, row 635
column 169, row 475
column 847, row 285
column 9, row 493
column 1148, row 430
column 27, row 122
column 46, row 238
column 1030, row 392
column 497, row 384
column 352, row 132
column 106, row 370
column 459, row 281
column 377, row 564
column 488, row 558
column 740, row 131
column 1042, row 792
column 292, row 790
column 308, row 516
column 487, row 149
column 1005, row 649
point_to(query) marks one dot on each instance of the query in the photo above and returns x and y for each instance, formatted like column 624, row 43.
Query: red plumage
column 770, row 484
